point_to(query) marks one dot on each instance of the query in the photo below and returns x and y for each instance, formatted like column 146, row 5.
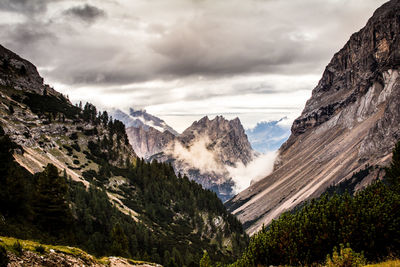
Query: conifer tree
column 119, row 245
column 50, row 204
column 205, row 260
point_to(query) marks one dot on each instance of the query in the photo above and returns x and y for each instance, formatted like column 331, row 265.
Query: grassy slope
column 30, row 245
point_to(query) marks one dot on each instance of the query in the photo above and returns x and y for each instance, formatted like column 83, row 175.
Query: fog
column 197, row 155
column 260, row 167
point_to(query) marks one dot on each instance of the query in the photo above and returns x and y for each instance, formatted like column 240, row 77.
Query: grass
column 9, row 244
column 390, row 263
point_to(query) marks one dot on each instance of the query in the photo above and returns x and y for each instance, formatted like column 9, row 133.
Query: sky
column 183, row 59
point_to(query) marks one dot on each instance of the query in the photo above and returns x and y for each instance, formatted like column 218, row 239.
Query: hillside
column 351, row 120
column 364, row 226
column 70, row 177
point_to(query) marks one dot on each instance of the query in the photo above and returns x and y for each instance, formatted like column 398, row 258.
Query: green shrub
column 345, row 258
column 73, row 136
column 17, row 247
column 76, row 147
column 3, row 257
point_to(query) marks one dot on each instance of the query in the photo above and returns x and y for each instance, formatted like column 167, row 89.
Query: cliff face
column 206, row 149
column 351, row 120
column 148, row 134
column 148, row 142
column 20, row 74
column 227, row 139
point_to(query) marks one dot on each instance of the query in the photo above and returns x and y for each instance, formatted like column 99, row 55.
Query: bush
column 76, row 147
column 76, row 162
column 345, row 258
column 73, row 136
column 40, row 249
column 3, row 257
column 17, row 247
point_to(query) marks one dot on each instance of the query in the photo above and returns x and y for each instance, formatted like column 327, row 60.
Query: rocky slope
column 49, row 256
column 206, row 150
column 47, row 136
column 351, row 120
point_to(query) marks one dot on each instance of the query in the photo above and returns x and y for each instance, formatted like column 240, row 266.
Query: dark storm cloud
column 87, row 13
column 27, row 33
column 28, row 7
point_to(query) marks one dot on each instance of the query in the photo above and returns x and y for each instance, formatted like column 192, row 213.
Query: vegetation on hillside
column 154, row 215
column 369, row 222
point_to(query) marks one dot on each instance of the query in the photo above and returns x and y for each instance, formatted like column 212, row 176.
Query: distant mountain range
column 204, row 151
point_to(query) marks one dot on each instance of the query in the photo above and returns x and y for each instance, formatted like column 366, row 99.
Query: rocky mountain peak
column 20, row 74
column 351, row 121
column 355, row 68
column 140, row 118
column 227, row 138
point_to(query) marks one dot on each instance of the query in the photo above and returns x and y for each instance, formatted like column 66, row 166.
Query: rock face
column 351, row 120
column 20, row 74
column 148, row 134
column 140, row 118
column 206, row 150
column 227, row 139
column 147, row 142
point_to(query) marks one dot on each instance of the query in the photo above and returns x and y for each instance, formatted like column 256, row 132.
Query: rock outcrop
column 205, row 150
column 59, row 258
column 20, row 74
column 148, row 134
column 351, row 120
column 147, row 142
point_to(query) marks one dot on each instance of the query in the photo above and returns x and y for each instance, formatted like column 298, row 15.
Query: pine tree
column 119, row 245
column 50, row 203
column 205, row 261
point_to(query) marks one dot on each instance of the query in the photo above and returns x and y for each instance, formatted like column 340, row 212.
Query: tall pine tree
column 50, row 203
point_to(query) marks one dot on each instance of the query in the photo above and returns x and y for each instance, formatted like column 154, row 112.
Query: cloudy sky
column 183, row 59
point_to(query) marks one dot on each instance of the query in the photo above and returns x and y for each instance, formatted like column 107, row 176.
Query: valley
column 113, row 185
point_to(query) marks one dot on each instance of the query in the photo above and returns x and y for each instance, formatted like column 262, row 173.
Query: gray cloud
column 181, row 40
column 27, row 7
column 87, row 13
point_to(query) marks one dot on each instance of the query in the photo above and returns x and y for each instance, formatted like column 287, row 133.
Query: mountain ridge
column 342, row 127
column 205, row 149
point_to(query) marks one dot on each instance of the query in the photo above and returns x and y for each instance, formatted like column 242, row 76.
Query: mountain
column 140, row 118
column 207, row 151
column 148, row 142
column 268, row 136
column 148, row 134
column 69, row 176
column 351, row 120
